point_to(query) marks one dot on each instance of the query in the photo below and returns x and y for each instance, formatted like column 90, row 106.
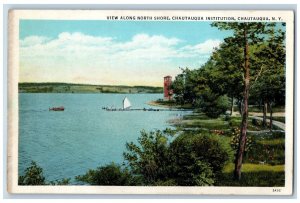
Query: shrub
column 198, row 173
column 169, row 182
column 198, row 157
column 187, row 160
column 150, row 159
column 212, row 105
column 64, row 181
column 33, row 176
column 110, row 174
column 227, row 117
column 257, row 122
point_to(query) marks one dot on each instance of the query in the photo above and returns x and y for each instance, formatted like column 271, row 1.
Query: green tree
column 188, row 86
column 33, row 176
column 269, row 87
column 245, row 34
column 190, row 159
column 178, row 87
column 211, row 149
column 198, row 158
column 212, row 104
column 226, row 77
column 150, row 159
column 111, row 174
column 197, row 87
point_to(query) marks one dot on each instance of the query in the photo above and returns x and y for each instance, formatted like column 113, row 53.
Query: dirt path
column 281, row 114
column 275, row 123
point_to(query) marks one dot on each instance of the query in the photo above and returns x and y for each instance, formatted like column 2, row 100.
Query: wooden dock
column 144, row 109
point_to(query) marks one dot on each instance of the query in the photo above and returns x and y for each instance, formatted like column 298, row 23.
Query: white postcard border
column 13, row 72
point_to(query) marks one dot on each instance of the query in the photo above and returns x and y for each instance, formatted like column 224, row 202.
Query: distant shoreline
column 83, row 88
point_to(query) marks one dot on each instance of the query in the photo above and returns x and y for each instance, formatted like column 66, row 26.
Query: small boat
column 61, row 108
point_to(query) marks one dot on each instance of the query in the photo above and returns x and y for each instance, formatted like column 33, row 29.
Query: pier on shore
column 144, row 109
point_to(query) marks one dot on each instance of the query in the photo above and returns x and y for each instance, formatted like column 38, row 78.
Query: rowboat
column 60, row 108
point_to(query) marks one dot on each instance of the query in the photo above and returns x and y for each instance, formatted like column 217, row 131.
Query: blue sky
column 192, row 32
column 113, row 52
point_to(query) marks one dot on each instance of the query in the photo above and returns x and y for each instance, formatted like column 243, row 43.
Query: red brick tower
column 167, row 87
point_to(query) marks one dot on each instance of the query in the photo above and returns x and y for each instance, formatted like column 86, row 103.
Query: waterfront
column 83, row 136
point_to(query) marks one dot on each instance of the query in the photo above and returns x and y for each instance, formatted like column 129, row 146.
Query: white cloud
column 204, row 48
column 146, row 41
column 207, row 46
column 76, row 57
column 33, row 40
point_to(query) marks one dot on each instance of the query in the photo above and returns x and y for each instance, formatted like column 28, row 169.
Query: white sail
column 126, row 103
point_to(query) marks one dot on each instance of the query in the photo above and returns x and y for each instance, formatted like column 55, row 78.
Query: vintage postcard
column 150, row 102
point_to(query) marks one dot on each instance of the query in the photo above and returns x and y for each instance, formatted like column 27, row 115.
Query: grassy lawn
column 279, row 141
column 206, row 124
column 253, row 175
column 201, row 121
column 247, row 168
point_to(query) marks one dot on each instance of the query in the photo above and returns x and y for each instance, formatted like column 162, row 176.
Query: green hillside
column 84, row 88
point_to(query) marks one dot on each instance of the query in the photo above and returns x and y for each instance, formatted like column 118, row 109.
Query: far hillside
column 84, row 88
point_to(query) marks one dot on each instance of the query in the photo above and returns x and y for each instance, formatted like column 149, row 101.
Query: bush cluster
column 34, row 176
column 162, row 159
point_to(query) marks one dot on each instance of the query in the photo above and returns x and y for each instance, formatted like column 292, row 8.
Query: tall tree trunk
column 271, row 116
column 265, row 109
column 232, row 101
column 243, row 135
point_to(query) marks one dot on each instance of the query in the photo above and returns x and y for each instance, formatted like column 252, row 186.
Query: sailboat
column 126, row 104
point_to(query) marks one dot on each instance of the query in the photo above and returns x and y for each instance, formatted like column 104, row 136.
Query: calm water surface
column 84, row 136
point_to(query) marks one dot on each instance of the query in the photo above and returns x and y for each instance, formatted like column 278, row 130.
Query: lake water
column 84, row 136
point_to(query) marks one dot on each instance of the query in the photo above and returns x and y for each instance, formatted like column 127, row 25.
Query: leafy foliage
column 64, row 181
column 151, row 158
column 270, row 85
column 212, row 105
column 110, row 174
column 207, row 148
column 188, row 160
column 33, row 176
column 245, row 34
column 197, row 87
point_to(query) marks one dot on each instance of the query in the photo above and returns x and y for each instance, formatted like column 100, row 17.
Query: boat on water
column 126, row 104
column 60, row 108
